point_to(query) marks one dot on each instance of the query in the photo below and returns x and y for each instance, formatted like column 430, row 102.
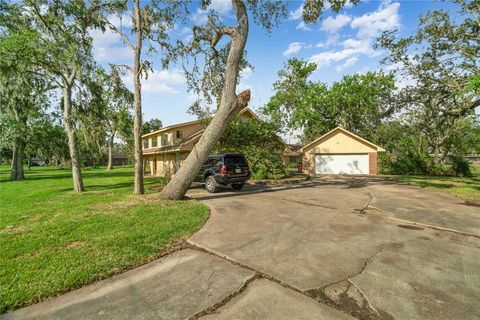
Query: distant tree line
column 429, row 119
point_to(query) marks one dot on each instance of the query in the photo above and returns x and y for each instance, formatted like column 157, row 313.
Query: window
column 145, row 143
column 179, row 134
column 154, row 141
column 165, row 139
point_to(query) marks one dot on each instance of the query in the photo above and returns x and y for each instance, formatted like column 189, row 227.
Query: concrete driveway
column 332, row 248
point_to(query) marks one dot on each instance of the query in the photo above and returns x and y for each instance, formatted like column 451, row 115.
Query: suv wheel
column 237, row 186
column 211, row 185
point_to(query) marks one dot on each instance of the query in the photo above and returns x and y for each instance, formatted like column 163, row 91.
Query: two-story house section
column 165, row 150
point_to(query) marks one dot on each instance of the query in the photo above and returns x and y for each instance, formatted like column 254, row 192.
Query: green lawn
column 53, row 240
column 467, row 188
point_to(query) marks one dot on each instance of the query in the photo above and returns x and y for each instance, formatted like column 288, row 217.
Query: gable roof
column 247, row 111
column 351, row 134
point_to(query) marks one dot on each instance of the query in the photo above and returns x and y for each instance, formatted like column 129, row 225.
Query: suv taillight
column 247, row 168
column 223, row 169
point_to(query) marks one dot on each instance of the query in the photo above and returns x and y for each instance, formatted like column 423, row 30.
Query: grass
column 466, row 188
column 53, row 240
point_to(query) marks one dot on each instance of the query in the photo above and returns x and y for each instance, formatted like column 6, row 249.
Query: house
column 340, row 152
column 166, row 149
column 119, row 158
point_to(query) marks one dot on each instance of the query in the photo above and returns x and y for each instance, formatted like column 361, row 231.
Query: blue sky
column 339, row 43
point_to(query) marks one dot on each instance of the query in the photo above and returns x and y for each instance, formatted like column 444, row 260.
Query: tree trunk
column 17, row 172
column 436, row 154
column 229, row 106
column 14, row 170
column 72, row 139
column 110, row 149
column 20, row 156
column 137, row 97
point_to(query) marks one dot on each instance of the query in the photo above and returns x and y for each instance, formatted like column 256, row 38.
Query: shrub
column 460, row 166
column 265, row 164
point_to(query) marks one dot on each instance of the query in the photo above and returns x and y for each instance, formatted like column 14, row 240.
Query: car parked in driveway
column 224, row 169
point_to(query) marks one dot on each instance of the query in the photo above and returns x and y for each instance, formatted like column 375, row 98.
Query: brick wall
column 372, row 163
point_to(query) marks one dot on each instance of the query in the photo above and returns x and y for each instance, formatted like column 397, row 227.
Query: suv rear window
column 229, row 160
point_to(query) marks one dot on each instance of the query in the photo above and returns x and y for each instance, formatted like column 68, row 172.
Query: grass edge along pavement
column 54, row 240
column 467, row 188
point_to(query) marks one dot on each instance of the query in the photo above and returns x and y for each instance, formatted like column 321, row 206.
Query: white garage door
column 341, row 164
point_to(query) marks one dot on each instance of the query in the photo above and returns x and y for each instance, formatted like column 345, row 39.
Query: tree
column 105, row 112
column 151, row 125
column 357, row 102
column 220, row 76
column 151, row 23
column 65, row 47
column 441, row 61
column 23, row 90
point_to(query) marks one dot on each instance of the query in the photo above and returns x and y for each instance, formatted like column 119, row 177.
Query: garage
column 341, row 164
column 340, row 151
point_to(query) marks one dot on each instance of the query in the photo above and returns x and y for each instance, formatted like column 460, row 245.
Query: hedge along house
column 166, row 149
column 340, row 151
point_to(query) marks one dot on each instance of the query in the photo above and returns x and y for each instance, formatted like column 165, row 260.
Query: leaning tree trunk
column 72, row 139
column 110, row 150
column 14, row 168
column 230, row 105
column 137, row 97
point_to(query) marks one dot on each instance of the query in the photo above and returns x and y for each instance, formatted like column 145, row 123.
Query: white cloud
column 200, row 16
column 108, row 47
column 158, row 81
column 332, row 25
column 223, row 7
column 303, row 26
column 349, row 63
column 123, row 21
column 370, row 25
column 293, row 48
column 297, row 14
column 246, row 73
column 352, row 48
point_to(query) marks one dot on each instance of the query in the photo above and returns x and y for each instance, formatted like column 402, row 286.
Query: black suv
column 224, row 169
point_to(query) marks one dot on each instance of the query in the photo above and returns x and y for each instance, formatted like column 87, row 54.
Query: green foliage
column 259, row 142
column 357, row 103
column 151, row 125
column 460, row 166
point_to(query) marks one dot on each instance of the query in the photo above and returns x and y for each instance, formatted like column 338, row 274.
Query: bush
column 408, row 163
column 265, row 165
column 460, row 166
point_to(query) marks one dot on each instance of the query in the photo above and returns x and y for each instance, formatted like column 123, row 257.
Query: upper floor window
column 154, row 141
column 179, row 134
column 145, row 143
column 165, row 139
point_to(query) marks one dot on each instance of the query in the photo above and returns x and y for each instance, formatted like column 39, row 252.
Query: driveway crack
column 345, row 296
column 353, row 302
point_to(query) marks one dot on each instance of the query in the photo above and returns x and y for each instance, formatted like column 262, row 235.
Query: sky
column 339, row 43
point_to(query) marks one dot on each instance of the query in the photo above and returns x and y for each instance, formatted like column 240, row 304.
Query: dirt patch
column 472, row 203
column 12, row 229
column 74, row 244
column 129, row 202
column 410, row 226
column 346, row 297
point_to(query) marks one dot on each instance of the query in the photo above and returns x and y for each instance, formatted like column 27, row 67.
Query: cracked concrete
column 264, row 299
column 174, row 287
column 324, row 234
column 331, row 248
